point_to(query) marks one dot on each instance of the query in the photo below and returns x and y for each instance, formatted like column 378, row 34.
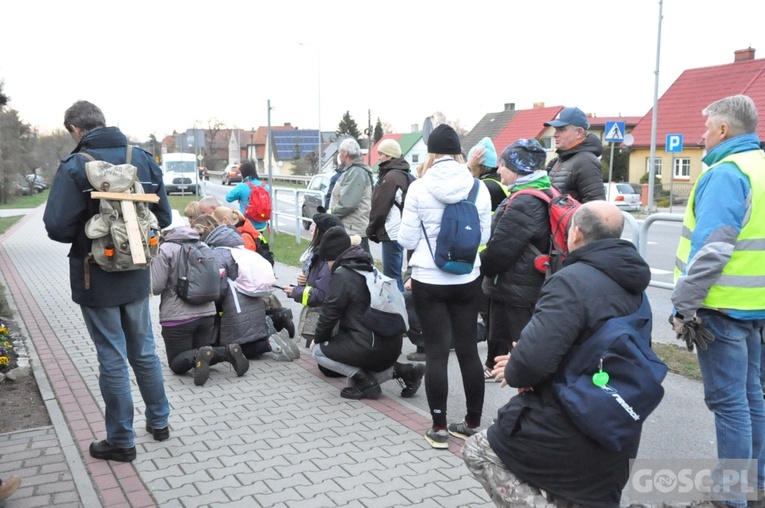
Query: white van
column 180, row 173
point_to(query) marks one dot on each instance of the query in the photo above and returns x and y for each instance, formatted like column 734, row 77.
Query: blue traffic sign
column 614, row 132
column 674, row 143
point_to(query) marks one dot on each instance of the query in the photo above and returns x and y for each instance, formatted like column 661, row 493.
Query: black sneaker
column 104, row 451
column 162, row 434
column 236, row 358
column 202, row 365
column 417, row 356
column 409, row 376
column 460, row 430
column 438, row 439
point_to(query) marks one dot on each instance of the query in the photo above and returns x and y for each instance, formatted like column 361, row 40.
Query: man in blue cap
column 576, row 170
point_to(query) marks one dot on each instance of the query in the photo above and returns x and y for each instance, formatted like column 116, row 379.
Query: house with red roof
column 413, row 150
column 528, row 124
column 679, row 112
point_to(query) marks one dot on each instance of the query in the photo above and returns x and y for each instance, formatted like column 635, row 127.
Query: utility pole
column 270, row 174
column 654, row 116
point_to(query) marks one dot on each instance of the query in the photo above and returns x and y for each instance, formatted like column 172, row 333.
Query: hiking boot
column 279, row 349
column 363, row 384
column 236, row 358
column 162, row 434
column 438, row 439
column 282, row 319
column 104, row 451
column 461, row 430
column 409, row 376
column 417, row 356
column 8, row 487
column 202, row 365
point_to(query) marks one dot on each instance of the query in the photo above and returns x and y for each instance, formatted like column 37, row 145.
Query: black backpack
column 198, row 274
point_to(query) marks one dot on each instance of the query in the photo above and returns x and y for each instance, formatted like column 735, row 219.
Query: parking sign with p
column 674, row 143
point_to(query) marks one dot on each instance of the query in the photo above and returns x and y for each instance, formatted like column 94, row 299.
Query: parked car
column 231, row 174
column 39, row 181
column 623, row 196
column 204, row 173
column 311, row 202
column 27, row 186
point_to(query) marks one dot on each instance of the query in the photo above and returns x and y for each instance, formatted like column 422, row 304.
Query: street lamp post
column 318, row 87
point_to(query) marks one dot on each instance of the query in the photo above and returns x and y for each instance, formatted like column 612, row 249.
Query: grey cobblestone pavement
column 279, row 436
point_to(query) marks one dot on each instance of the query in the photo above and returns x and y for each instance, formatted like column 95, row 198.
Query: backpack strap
column 540, row 195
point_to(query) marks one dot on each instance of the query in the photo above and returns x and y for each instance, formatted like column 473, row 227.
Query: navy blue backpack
column 460, row 236
column 611, row 408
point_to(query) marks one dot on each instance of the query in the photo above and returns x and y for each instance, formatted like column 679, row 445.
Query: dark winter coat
column 249, row 323
column 347, row 300
column 577, row 171
column 388, row 200
column 507, row 262
column 316, row 284
column 70, row 207
column 532, row 436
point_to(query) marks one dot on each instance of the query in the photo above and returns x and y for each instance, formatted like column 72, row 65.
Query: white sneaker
column 279, row 350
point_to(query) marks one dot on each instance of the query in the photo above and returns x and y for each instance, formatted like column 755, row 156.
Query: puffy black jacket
column 507, row 262
column 347, row 300
column 394, row 175
column 577, row 171
column 70, row 206
column 533, row 437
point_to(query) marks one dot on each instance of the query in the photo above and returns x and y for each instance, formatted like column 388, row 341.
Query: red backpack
column 259, row 205
column 560, row 207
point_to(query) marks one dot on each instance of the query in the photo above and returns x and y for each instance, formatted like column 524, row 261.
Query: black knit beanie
column 334, row 242
column 324, row 221
column 444, row 140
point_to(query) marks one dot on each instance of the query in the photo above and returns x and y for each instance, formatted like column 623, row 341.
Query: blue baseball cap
column 570, row 116
column 490, row 154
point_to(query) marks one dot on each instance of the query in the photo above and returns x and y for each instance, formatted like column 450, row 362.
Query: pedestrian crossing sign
column 614, row 132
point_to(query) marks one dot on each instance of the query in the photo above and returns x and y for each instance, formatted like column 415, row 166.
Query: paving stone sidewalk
column 279, row 436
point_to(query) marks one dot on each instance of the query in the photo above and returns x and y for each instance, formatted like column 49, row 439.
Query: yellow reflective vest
column 741, row 285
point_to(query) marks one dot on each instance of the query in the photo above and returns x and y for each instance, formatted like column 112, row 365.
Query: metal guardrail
column 643, row 240
column 297, row 213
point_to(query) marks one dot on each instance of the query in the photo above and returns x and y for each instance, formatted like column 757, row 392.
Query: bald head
column 595, row 220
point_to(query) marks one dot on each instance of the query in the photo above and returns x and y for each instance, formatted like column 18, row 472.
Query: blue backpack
column 460, row 236
column 611, row 382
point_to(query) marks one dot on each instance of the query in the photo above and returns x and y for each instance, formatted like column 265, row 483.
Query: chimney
column 509, row 106
column 288, row 124
column 741, row 55
column 539, row 104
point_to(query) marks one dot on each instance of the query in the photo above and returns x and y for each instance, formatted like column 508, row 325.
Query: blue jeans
column 730, row 368
column 123, row 334
column 392, row 260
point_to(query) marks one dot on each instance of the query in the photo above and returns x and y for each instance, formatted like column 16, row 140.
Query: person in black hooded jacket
column 576, row 170
column 534, row 446
column 342, row 343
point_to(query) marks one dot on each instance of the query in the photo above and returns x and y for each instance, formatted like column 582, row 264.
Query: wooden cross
column 127, row 202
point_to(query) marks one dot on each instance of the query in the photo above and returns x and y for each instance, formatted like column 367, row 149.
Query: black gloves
column 692, row 332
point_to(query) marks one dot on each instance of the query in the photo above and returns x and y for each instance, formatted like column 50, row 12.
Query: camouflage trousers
column 504, row 488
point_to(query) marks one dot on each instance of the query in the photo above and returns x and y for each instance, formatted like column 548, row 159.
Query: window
column 415, row 158
column 682, row 168
column 657, row 165
column 548, row 143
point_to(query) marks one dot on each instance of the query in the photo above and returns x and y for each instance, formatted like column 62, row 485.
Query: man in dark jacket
column 115, row 306
column 343, row 344
column 387, row 204
column 534, row 446
column 576, row 170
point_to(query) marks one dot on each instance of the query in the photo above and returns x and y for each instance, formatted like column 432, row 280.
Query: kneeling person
column 366, row 358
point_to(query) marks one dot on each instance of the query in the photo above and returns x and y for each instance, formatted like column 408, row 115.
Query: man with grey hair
column 533, row 454
column 114, row 305
column 208, row 204
column 719, row 294
column 576, row 170
column 351, row 198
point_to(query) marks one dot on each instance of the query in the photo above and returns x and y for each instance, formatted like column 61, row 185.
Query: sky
column 158, row 66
